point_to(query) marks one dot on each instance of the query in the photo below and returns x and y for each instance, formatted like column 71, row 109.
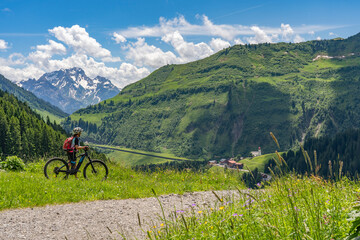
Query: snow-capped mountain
column 70, row 89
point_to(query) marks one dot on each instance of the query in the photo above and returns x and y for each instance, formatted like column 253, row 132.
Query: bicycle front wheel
column 96, row 170
column 56, row 168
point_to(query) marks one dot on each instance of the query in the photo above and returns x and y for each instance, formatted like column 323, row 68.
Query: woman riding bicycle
column 75, row 146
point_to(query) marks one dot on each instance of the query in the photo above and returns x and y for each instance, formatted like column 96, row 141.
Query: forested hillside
column 226, row 105
column 43, row 107
column 327, row 154
column 24, row 133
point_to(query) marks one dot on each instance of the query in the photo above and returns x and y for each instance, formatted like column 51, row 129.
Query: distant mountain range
column 70, row 89
column 40, row 106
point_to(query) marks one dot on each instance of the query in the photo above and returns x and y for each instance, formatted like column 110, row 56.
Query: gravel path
column 99, row 219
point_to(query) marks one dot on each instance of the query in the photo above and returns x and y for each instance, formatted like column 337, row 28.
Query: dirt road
column 99, row 219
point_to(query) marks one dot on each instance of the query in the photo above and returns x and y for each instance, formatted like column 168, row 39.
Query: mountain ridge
column 71, row 89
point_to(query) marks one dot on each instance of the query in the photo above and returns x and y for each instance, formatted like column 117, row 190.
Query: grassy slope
column 131, row 159
column 257, row 162
column 227, row 104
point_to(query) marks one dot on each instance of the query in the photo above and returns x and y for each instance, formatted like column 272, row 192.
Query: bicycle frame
column 82, row 157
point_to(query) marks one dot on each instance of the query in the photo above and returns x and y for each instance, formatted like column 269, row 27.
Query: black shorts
column 72, row 157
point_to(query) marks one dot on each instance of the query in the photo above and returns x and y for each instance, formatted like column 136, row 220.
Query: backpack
column 67, row 144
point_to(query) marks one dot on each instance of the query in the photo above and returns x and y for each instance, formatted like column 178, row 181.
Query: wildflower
column 154, row 226
column 159, row 232
column 199, row 211
column 235, row 214
column 211, row 209
column 205, row 222
column 179, row 211
column 211, row 227
column 222, row 207
column 161, row 225
column 193, row 204
column 258, row 184
column 296, row 209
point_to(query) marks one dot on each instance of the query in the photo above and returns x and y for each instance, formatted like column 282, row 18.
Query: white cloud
column 44, row 53
column 77, row 38
column 148, row 55
column 287, row 31
column 179, row 24
column 229, row 32
column 311, row 32
column 260, row 36
column 3, row 45
column 52, row 48
column 187, row 51
column 121, row 76
column 238, row 41
column 218, row 44
column 318, row 38
column 119, row 38
column 298, row 39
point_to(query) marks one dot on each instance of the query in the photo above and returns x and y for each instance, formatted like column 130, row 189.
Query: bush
column 13, row 163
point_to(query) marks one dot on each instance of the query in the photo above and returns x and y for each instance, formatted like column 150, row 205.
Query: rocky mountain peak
column 71, row 89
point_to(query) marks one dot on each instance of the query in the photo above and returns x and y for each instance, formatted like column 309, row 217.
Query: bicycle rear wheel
column 96, row 170
column 56, row 168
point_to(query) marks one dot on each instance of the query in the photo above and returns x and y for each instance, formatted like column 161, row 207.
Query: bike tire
column 96, row 170
column 56, row 168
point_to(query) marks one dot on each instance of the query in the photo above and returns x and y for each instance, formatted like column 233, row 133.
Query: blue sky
column 126, row 40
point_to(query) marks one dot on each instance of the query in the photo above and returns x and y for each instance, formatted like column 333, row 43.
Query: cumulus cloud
column 120, row 76
column 148, row 55
column 187, row 51
column 77, row 38
column 85, row 53
column 44, row 53
column 218, row 44
column 119, row 38
column 3, row 45
column 229, row 32
column 298, row 39
column 260, row 36
column 179, row 24
column 238, row 41
column 287, row 31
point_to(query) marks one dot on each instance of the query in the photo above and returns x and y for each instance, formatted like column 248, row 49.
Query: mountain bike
column 93, row 170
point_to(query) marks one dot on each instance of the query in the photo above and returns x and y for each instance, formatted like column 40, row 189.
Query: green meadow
column 31, row 189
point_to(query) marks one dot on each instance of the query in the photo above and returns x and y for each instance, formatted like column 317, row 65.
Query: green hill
column 24, row 133
column 40, row 106
column 226, row 105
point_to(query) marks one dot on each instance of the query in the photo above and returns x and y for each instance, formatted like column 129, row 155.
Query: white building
column 256, row 153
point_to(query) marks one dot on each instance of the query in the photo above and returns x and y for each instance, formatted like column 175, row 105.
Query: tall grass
column 291, row 208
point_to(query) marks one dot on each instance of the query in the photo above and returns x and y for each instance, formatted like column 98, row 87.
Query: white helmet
column 77, row 130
